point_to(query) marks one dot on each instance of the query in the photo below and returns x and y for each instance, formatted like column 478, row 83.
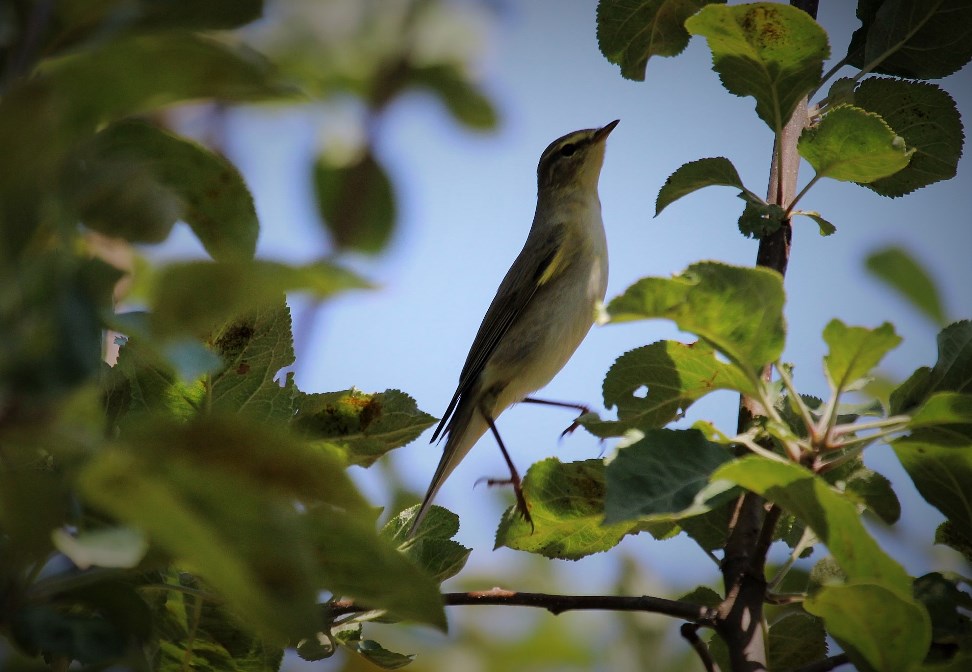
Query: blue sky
column 466, row 202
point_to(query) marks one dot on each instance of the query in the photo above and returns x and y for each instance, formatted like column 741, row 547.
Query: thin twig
column 690, row 631
column 558, row 604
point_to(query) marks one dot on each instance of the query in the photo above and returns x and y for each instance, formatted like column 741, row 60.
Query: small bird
column 542, row 310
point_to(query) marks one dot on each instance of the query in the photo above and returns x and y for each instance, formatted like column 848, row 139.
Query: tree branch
column 690, row 631
column 558, row 604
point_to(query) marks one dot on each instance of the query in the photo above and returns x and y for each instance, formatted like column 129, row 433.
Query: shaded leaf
column 951, row 373
column 944, row 408
column 770, row 51
column 796, row 640
column 947, row 534
column 432, row 548
column 567, row 506
column 939, row 462
column 851, row 144
column 363, row 426
column 662, row 475
column 913, row 38
column 946, row 605
column 133, row 180
column 759, row 219
column 899, row 270
column 629, row 33
column 926, row 117
column 467, row 104
column 689, row 177
column 356, row 200
column 898, row 640
column 739, row 311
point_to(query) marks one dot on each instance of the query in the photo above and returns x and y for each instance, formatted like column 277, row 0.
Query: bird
column 542, row 310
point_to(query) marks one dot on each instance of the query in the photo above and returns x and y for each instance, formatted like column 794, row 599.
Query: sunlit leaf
column 432, row 548
column 770, row 51
column 951, row 373
column 854, row 351
column 899, row 270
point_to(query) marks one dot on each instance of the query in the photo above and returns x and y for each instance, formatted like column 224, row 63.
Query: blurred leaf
column 567, row 506
column 432, row 548
column 854, row 351
column 675, row 375
column 467, row 104
column 796, row 640
column 357, row 202
column 947, row 607
column 759, row 220
column 197, row 296
column 918, row 39
column 134, row 180
column 898, row 640
column 828, row 513
column 739, row 311
column 926, row 117
column 868, row 488
column 851, row 144
column 371, row 650
column 363, row 426
column 85, row 638
column 630, row 33
column 125, row 76
column 702, row 595
column 662, row 475
column 695, row 175
column 770, row 51
column 939, row 461
column 710, row 529
column 116, row 547
column 900, row 271
column 948, row 534
column 951, row 373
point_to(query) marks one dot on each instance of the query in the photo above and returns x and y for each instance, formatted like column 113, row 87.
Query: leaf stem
column 830, row 73
column 796, row 399
column 805, row 540
column 892, row 421
column 796, row 199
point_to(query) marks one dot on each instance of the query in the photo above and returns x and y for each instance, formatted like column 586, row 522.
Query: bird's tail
column 464, row 430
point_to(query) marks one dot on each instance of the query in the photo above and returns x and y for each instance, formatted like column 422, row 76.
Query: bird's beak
column 604, row 131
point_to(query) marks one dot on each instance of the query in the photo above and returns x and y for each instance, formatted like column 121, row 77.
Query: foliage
column 184, row 505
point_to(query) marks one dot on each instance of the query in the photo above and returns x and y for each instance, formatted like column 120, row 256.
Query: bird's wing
column 540, row 260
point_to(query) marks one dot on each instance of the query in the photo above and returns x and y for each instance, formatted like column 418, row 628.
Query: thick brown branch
column 558, row 604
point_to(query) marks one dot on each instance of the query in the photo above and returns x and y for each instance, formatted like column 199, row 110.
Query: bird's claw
column 521, row 504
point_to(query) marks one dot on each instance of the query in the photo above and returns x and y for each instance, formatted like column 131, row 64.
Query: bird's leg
column 563, row 404
column 514, row 479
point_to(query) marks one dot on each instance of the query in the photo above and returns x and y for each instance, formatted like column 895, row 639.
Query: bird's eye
column 568, row 149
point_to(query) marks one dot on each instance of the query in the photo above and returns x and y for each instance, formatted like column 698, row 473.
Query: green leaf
column 432, row 548
column 853, row 145
column 939, row 461
column 770, row 51
column 197, row 15
column 629, row 33
column 947, row 534
column 124, row 77
column 356, row 200
column 868, row 488
column 695, row 175
column 710, row 529
column 739, row 311
column 374, row 652
column 567, row 506
column 897, row 640
column 951, row 373
column 900, row 271
column 796, row 640
column 87, row 639
column 467, row 104
column 363, row 426
column 917, row 39
column 197, row 296
column 943, row 408
column 253, row 349
column 759, row 219
column 928, row 120
column 133, row 180
column 675, row 375
column 702, row 595
column 831, row 516
column 825, row 227
column 854, row 351
column 663, row 475
column 945, row 604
